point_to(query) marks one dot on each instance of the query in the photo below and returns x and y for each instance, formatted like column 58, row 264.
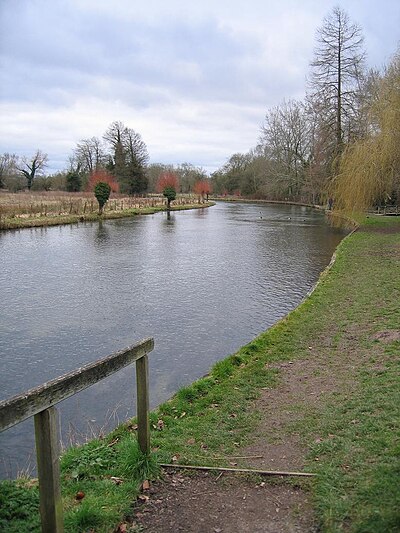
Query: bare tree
column 90, row 155
column 135, row 147
column 8, row 166
column 285, row 140
column 188, row 176
column 336, row 75
column 33, row 166
column 130, row 157
column 115, row 133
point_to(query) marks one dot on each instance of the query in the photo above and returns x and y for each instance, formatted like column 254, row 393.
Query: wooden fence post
column 39, row 402
column 48, row 463
column 142, row 384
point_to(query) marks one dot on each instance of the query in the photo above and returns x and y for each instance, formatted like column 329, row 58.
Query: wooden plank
column 48, row 463
column 19, row 408
column 142, row 382
column 238, row 470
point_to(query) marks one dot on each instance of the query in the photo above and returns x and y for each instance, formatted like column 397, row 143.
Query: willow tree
column 370, row 168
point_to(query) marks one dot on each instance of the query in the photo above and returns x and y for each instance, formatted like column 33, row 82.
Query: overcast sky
column 194, row 78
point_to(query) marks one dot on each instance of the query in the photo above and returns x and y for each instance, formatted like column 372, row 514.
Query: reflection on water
column 201, row 282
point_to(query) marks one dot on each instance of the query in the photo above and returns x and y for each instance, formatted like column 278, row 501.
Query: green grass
column 19, row 505
column 352, row 434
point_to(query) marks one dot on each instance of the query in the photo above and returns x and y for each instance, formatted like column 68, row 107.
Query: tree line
column 340, row 142
column 121, row 152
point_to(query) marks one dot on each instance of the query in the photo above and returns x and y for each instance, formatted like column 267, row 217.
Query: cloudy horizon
column 194, row 80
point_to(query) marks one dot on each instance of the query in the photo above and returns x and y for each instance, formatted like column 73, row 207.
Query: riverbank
column 318, row 392
column 265, row 201
column 23, row 210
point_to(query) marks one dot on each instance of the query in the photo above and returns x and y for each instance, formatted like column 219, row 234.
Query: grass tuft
column 134, row 464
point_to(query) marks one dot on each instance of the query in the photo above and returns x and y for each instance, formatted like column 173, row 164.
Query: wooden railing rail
column 388, row 209
column 40, row 401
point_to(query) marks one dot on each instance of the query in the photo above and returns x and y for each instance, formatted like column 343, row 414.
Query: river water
column 202, row 283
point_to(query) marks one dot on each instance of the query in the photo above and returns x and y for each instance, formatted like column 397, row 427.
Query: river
column 202, row 283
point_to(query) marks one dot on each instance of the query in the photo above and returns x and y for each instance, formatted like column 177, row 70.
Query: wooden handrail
column 40, row 401
column 23, row 406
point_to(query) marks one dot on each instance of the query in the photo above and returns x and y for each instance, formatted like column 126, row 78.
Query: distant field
column 59, row 203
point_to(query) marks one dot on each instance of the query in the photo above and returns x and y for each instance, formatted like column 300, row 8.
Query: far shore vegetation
column 35, row 209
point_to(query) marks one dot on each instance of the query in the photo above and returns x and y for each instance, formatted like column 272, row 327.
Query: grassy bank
column 27, row 210
column 346, row 334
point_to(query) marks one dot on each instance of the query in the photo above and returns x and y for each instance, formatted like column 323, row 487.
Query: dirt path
column 205, row 503
column 235, row 503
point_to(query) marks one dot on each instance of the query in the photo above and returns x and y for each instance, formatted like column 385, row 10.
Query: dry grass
column 58, row 203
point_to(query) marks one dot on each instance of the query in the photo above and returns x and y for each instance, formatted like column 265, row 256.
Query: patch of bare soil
column 206, row 503
column 304, row 384
column 387, row 336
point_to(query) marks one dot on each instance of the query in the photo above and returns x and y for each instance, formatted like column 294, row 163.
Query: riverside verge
column 318, row 392
column 27, row 210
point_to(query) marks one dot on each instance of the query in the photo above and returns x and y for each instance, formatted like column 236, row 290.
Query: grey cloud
column 194, row 78
column 198, row 59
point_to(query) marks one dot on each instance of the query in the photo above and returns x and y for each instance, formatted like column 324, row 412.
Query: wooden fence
column 388, row 210
column 40, row 401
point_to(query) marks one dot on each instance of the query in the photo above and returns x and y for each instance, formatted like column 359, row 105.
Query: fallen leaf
column 32, row 483
column 122, row 528
column 203, row 446
column 116, row 480
column 233, row 415
column 191, row 441
column 143, row 498
column 146, row 485
column 160, row 425
column 175, row 458
column 183, row 414
column 233, row 464
column 79, row 495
